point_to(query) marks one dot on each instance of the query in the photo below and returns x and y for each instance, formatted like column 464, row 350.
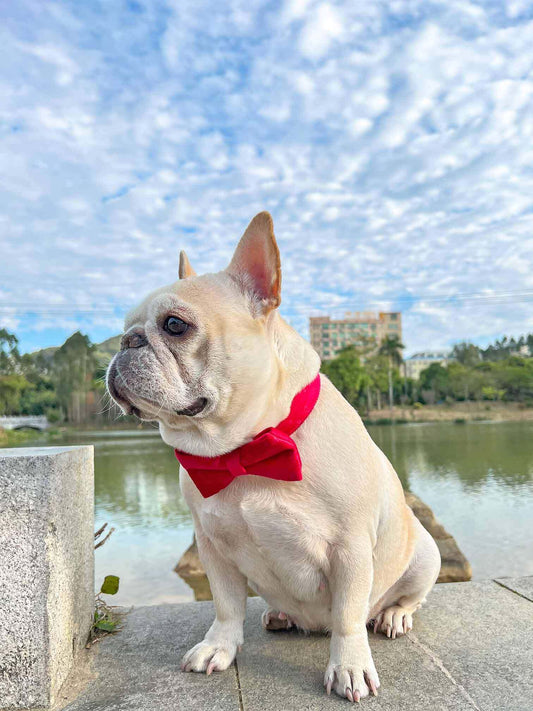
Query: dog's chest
column 272, row 541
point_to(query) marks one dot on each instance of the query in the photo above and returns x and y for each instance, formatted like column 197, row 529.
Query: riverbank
column 15, row 438
column 458, row 412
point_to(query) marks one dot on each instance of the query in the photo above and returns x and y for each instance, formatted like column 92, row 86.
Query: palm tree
column 391, row 347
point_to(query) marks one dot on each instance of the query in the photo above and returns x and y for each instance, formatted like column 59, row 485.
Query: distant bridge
column 37, row 422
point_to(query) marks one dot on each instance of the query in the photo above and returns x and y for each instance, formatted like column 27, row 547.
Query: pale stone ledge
column 46, row 569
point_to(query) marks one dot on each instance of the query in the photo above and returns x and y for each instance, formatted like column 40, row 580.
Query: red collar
column 272, row 453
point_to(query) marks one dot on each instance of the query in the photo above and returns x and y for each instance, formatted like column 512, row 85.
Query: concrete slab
column 138, row 669
column 481, row 634
column 522, row 586
column 285, row 670
column 469, row 651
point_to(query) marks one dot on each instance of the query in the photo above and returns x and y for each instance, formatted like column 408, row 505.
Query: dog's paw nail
column 348, row 693
column 282, row 616
column 210, row 669
column 356, row 696
column 328, row 687
column 371, row 685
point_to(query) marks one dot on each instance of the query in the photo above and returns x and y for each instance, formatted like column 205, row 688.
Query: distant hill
column 107, row 349
column 104, row 351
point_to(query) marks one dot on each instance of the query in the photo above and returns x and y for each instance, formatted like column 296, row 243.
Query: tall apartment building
column 328, row 336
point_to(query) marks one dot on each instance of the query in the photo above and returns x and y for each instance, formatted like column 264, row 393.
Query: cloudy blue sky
column 391, row 141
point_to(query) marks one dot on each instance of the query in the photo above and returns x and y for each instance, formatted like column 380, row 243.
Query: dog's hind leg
column 393, row 614
column 273, row 620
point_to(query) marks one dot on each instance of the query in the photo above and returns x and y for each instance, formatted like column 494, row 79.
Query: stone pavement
column 471, row 648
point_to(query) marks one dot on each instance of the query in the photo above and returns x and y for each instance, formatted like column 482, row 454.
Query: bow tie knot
column 272, row 453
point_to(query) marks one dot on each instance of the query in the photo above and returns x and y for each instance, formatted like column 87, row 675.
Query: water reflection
column 139, row 481
column 474, row 452
column 477, row 477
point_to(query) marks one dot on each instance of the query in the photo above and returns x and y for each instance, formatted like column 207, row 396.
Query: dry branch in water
column 99, row 533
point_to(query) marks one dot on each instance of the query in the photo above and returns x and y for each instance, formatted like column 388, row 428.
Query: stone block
column 46, row 569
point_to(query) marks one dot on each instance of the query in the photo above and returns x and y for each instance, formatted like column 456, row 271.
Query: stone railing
column 46, row 569
column 20, row 422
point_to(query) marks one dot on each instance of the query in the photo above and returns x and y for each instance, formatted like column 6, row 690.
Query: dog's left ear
column 256, row 263
column 185, row 270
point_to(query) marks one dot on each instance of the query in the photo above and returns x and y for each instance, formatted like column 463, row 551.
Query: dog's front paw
column 352, row 681
column 209, row 657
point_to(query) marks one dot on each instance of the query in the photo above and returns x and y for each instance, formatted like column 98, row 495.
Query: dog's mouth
column 126, row 398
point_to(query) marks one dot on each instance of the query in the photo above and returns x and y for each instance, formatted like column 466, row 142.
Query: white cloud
column 391, row 142
column 323, row 26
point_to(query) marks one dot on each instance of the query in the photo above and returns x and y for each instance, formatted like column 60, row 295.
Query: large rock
column 46, row 569
column 455, row 567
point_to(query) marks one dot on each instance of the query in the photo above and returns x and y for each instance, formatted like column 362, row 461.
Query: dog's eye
column 175, row 326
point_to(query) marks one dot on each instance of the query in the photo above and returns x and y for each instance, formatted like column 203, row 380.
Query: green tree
column 391, row 347
column 11, row 388
column 12, row 382
column 9, row 353
column 72, row 374
column 377, row 368
column 515, row 376
column 346, row 373
column 466, row 354
column 436, row 379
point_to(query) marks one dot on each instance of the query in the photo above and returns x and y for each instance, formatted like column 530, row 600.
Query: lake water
column 477, row 478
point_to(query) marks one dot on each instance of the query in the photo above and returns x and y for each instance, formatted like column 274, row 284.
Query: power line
column 479, row 298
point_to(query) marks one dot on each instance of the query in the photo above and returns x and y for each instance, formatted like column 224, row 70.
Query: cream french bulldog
column 210, row 358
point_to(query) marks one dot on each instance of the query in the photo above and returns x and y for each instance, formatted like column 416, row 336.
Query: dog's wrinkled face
column 199, row 349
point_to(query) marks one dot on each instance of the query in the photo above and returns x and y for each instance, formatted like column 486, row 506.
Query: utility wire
column 478, row 298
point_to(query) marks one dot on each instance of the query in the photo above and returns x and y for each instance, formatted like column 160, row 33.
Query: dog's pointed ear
column 256, row 263
column 185, row 269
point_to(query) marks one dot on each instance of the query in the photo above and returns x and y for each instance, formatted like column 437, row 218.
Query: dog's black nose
column 133, row 340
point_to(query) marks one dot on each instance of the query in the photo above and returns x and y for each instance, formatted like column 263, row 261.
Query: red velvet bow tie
column 272, row 453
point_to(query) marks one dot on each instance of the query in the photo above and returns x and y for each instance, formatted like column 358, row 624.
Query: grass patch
column 11, row 438
column 107, row 620
column 386, row 421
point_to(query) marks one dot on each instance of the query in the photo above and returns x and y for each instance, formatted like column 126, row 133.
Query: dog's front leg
column 351, row 671
column 229, row 587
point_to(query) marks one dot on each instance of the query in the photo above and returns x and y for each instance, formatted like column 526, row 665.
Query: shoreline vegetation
column 455, row 413
column 67, row 384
